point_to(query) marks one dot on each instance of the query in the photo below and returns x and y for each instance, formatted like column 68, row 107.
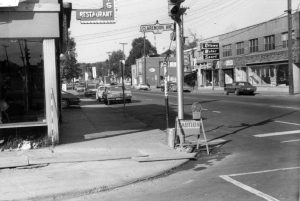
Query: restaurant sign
column 9, row 3
column 106, row 14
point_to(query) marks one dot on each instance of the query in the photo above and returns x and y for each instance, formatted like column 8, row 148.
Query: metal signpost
column 211, row 52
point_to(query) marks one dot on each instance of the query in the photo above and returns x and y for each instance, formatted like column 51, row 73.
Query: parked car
column 239, row 88
column 172, row 87
column 91, row 89
column 115, row 94
column 99, row 93
column 80, row 87
column 144, row 87
column 68, row 99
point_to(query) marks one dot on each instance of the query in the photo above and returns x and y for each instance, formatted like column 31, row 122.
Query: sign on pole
column 156, row 28
column 106, row 14
column 211, row 51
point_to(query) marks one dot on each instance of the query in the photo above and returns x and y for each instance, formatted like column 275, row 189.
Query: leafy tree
column 115, row 58
column 193, row 41
column 137, row 51
column 69, row 66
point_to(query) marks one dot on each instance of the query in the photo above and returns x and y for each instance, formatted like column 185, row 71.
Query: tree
column 69, row 66
column 137, row 51
column 193, row 41
column 115, row 59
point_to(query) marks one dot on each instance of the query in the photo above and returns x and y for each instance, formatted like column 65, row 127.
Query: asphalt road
column 258, row 159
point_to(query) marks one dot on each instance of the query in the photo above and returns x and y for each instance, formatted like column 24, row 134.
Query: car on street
column 240, row 88
column 114, row 94
column 80, row 87
column 144, row 87
column 99, row 93
column 68, row 99
column 172, row 87
column 91, row 89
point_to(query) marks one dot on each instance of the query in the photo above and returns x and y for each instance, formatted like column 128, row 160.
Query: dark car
column 239, row 88
column 172, row 87
column 68, row 99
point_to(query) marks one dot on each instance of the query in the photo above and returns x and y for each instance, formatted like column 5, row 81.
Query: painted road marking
column 250, row 189
column 285, row 107
column 284, row 122
column 297, row 140
column 278, row 133
column 216, row 112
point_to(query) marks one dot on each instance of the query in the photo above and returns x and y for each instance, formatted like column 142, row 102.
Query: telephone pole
column 290, row 49
column 122, row 73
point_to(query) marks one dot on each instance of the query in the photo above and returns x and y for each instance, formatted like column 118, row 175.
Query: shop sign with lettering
column 106, row 14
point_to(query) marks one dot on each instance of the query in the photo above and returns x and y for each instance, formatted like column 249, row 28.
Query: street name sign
column 211, row 56
column 209, row 45
column 156, row 28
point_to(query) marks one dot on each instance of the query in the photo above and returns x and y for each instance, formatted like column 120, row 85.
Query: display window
column 22, row 91
column 269, row 75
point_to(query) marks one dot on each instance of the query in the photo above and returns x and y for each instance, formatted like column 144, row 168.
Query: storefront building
column 259, row 54
column 33, row 34
column 153, row 73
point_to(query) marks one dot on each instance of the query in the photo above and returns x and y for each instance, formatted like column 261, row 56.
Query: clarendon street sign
column 156, row 28
column 106, row 14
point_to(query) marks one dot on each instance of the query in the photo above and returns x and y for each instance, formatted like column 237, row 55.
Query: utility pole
column 290, row 50
column 122, row 72
column 176, row 12
column 108, row 71
column 145, row 69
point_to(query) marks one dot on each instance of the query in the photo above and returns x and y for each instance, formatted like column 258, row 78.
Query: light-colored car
column 99, row 92
column 143, row 87
column 115, row 94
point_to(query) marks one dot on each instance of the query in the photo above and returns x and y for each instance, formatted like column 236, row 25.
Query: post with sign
column 155, row 29
column 211, row 52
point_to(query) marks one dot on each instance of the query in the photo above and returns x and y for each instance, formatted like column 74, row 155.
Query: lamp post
column 108, row 70
column 122, row 72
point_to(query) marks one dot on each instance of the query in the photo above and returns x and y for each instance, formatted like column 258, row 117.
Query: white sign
column 152, row 70
column 9, row 3
column 229, row 63
column 94, row 72
column 156, row 28
column 86, row 76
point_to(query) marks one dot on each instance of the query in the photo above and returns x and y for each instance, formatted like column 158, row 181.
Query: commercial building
column 257, row 54
column 151, row 71
column 33, row 34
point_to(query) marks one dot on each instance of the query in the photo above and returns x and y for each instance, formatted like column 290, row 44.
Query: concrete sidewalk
column 101, row 150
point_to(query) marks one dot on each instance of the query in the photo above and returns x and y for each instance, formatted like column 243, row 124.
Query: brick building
column 257, row 54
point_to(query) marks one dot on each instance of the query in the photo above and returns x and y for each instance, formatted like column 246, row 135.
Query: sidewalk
column 102, row 148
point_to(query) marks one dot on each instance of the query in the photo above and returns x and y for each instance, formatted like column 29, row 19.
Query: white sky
column 206, row 18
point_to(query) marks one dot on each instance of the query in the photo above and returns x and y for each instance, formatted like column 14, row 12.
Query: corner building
column 259, row 54
column 33, row 34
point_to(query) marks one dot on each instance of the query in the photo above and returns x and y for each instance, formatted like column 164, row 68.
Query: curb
column 98, row 189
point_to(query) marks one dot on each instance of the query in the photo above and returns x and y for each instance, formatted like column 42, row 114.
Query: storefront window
column 269, row 75
column 22, row 94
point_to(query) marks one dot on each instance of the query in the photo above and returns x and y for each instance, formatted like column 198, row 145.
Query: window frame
column 269, row 42
column 253, row 45
column 240, row 48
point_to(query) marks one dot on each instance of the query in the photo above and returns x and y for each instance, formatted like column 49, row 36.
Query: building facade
column 151, row 71
column 33, row 34
column 257, row 54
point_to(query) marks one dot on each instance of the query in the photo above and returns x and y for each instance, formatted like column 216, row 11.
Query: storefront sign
column 106, row 14
column 9, row 3
column 152, row 70
column 156, row 28
column 229, row 63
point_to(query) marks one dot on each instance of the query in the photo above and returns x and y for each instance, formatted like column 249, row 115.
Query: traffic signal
column 175, row 11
